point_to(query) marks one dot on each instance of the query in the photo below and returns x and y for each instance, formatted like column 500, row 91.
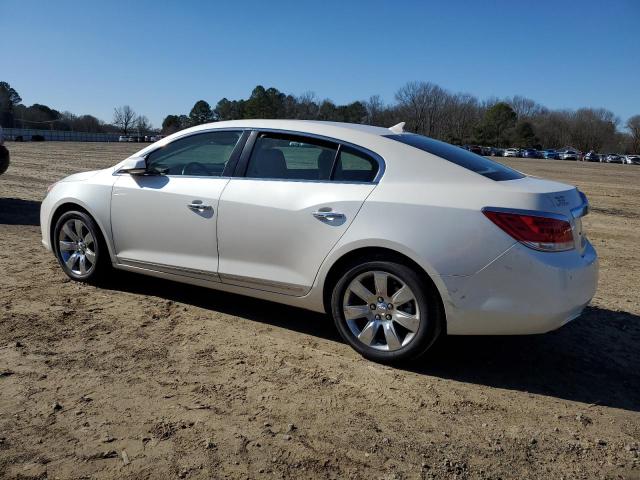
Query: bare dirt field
column 151, row 379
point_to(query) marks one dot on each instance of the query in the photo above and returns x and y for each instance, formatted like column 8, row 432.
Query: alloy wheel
column 77, row 247
column 381, row 310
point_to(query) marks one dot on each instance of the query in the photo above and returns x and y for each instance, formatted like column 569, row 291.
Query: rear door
column 296, row 198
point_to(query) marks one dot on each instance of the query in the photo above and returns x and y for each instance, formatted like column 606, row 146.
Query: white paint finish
column 91, row 191
column 522, row 292
column 267, row 231
column 151, row 221
column 424, row 207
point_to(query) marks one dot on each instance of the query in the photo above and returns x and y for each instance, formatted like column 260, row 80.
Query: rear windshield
column 459, row 156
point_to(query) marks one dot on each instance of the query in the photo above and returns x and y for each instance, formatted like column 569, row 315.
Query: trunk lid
column 558, row 198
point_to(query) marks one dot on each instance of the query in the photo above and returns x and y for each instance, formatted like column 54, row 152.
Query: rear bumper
column 522, row 292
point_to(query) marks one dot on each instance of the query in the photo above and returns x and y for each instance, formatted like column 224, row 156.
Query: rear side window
column 465, row 159
column 291, row 157
column 355, row 166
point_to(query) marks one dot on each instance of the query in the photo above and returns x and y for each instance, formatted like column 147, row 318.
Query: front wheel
column 386, row 311
column 80, row 248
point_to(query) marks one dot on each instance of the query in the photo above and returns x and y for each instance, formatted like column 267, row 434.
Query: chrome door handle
column 329, row 216
column 199, row 207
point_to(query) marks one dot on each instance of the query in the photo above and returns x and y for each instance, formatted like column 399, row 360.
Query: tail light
column 541, row 231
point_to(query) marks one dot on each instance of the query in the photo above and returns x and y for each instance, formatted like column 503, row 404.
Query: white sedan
column 399, row 237
column 511, row 152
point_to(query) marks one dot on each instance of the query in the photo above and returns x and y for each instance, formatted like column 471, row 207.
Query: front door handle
column 199, row 207
column 329, row 216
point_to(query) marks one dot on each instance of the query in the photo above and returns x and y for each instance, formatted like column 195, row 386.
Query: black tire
column 4, row 159
column 426, row 298
column 100, row 267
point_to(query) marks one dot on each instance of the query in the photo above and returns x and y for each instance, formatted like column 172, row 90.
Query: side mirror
column 134, row 166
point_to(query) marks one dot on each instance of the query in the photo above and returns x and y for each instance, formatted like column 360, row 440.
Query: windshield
column 461, row 157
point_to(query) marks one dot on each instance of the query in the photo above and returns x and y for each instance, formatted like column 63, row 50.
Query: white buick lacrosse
column 401, row 238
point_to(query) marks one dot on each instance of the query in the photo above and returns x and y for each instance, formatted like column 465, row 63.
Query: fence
column 27, row 134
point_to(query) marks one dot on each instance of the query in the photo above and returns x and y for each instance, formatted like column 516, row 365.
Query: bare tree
column 462, row 114
column 143, row 125
column 525, row 107
column 633, row 124
column 423, row 104
column 306, row 106
column 375, row 110
column 124, row 118
column 593, row 129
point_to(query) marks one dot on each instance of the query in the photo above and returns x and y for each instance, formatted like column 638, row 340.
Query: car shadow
column 296, row 319
column 15, row 211
column 594, row 359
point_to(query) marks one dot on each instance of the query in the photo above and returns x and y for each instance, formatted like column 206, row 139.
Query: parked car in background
column 123, row 138
column 473, row 149
column 511, row 152
column 592, row 157
column 399, row 237
column 491, row 152
column 614, row 158
column 530, row 153
column 551, row 154
column 569, row 155
column 632, row 159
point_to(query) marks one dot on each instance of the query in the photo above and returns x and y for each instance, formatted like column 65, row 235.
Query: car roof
column 365, row 135
column 310, row 126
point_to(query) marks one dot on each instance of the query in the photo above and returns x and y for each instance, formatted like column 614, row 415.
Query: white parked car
column 123, row 138
column 399, row 237
column 632, row 159
column 569, row 155
column 511, row 152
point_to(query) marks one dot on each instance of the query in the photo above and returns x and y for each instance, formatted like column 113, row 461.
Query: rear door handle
column 199, row 207
column 329, row 216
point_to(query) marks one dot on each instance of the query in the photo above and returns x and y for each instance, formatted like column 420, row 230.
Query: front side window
column 202, row 154
column 280, row 156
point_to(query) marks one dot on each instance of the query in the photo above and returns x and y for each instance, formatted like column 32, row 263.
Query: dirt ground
column 152, row 379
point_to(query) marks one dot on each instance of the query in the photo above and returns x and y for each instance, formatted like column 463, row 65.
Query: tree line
column 431, row 110
column 427, row 109
column 38, row 116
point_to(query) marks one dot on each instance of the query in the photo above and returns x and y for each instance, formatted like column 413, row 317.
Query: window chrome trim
column 249, row 143
column 378, row 158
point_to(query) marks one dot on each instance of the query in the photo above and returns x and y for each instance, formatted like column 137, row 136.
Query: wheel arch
column 68, row 206
column 378, row 253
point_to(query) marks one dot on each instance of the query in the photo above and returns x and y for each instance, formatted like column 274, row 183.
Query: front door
column 166, row 221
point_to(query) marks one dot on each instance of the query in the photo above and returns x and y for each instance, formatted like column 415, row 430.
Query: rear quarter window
column 461, row 157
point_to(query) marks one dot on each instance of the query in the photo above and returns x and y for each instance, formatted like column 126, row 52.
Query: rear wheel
column 80, row 248
column 385, row 311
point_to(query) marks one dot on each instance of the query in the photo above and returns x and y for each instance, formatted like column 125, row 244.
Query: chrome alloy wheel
column 381, row 310
column 76, row 247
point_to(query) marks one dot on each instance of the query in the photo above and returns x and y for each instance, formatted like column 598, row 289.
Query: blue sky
column 160, row 57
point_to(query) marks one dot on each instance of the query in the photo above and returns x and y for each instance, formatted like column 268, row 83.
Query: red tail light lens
column 540, row 232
